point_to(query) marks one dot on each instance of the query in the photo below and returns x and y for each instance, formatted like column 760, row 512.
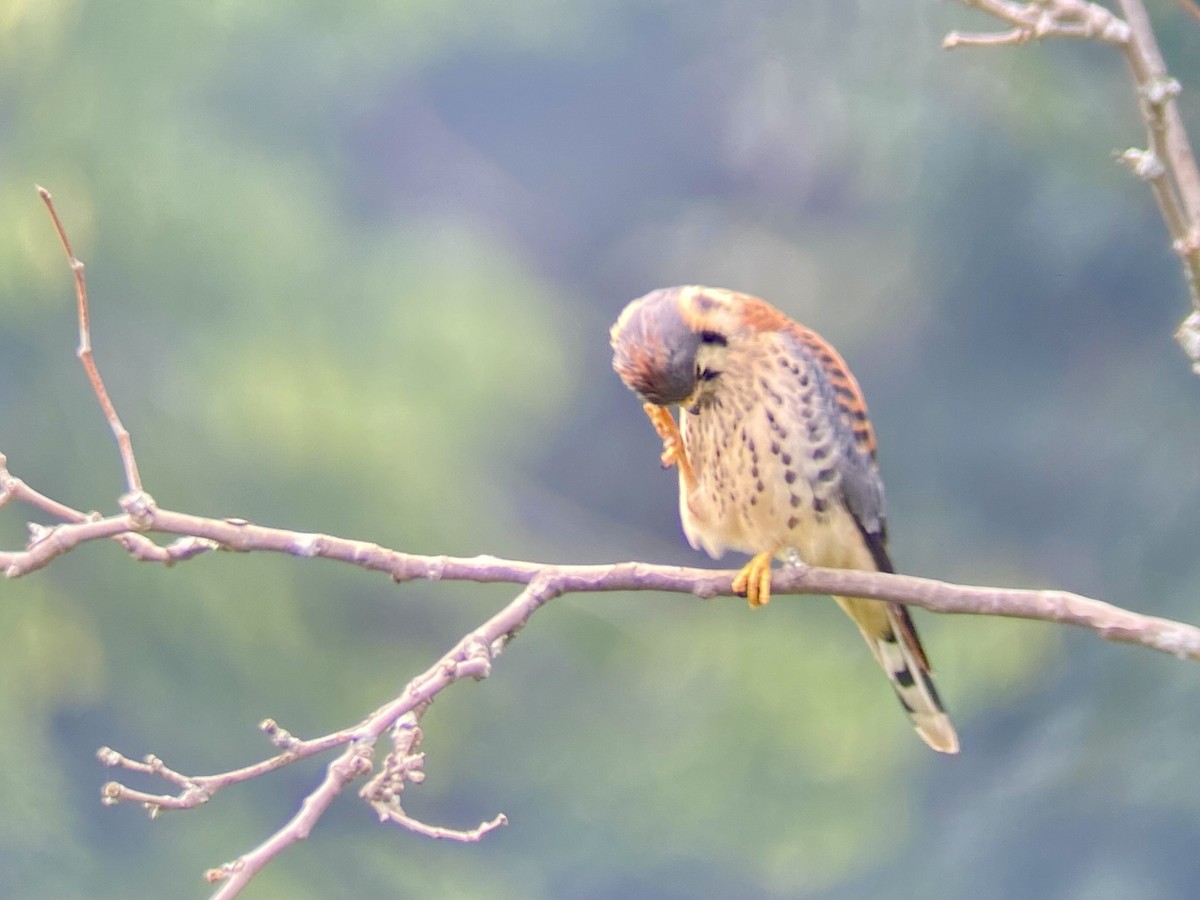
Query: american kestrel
column 776, row 458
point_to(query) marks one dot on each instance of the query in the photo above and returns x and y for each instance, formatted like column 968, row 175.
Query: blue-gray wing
column 860, row 484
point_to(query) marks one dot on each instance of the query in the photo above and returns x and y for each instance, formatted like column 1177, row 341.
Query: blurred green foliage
column 352, row 270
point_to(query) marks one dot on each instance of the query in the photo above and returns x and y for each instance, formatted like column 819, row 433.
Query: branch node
column 1144, row 164
column 280, row 737
column 140, row 507
column 305, row 545
column 1160, row 90
column 37, row 534
column 1115, row 31
column 476, row 662
column 112, row 793
column 225, row 872
column 1188, row 337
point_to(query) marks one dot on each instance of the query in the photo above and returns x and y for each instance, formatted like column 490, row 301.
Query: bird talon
column 674, row 453
column 754, row 580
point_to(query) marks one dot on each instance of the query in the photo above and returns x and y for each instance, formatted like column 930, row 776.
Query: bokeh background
column 353, row 267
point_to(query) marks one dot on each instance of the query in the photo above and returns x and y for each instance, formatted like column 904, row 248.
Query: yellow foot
column 754, row 581
column 674, row 453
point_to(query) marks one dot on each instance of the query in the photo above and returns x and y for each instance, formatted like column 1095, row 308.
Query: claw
column 674, row 453
column 754, row 580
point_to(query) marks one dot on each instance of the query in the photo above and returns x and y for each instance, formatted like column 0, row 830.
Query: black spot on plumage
column 754, row 471
column 774, row 448
column 789, row 476
column 819, row 453
column 786, row 459
column 770, row 391
column 820, row 505
column 759, row 486
column 792, row 523
column 904, row 678
column 793, row 500
column 827, row 475
column 927, row 683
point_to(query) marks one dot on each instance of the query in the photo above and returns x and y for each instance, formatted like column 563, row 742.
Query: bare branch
column 1035, row 21
column 1177, row 190
column 139, row 546
column 1168, row 164
column 1110, row 622
column 132, row 479
column 469, row 658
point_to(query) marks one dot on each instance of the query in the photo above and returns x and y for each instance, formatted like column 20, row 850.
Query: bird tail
column 892, row 637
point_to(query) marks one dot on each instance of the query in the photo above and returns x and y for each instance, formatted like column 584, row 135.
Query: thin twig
column 1178, row 196
column 138, row 546
column 1040, row 19
column 462, row 661
column 1168, row 164
column 133, row 480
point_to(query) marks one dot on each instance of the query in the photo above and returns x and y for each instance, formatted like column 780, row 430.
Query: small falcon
column 776, row 458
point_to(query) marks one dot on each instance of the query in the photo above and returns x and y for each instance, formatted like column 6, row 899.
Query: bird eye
column 713, row 337
column 706, row 374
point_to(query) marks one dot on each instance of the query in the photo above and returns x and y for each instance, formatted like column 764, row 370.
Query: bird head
column 668, row 346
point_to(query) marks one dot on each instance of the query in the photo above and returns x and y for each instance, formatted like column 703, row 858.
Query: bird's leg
column 754, row 580
column 674, row 453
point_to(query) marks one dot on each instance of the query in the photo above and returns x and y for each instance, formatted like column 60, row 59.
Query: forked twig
column 1167, row 164
column 133, row 479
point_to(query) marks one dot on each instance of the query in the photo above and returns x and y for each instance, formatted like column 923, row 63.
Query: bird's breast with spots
column 764, row 448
